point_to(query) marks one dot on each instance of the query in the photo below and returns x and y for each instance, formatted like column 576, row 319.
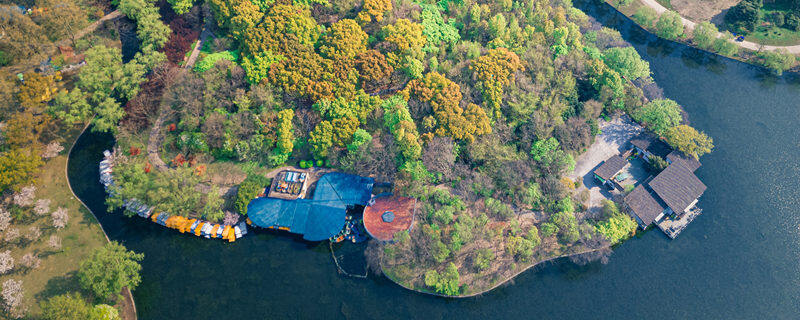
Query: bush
column 446, row 282
column 250, row 188
column 669, row 25
column 645, row 16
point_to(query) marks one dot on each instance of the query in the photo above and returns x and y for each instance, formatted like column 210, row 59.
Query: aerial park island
column 468, row 142
column 464, row 141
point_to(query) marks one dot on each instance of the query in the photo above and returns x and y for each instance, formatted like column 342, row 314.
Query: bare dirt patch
column 702, row 10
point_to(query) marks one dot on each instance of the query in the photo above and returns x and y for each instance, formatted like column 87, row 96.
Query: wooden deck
column 673, row 227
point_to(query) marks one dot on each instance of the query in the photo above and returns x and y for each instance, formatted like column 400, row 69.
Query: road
column 744, row 44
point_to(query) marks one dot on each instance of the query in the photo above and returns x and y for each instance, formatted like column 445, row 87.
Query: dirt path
column 90, row 28
column 153, row 143
column 744, row 44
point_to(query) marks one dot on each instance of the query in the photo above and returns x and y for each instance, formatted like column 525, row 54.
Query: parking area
column 613, row 140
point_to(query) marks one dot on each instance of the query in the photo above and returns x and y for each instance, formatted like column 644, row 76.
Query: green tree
column 645, row 16
column 659, row 115
column 248, row 190
column 109, row 269
column 71, row 107
column 436, row 29
column 104, row 312
column 744, row 16
column 212, row 209
column 617, row 226
column 108, row 113
column 181, row 6
column 257, row 67
column 321, row 139
column 778, row 61
column 689, row 140
column 725, row 47
column 66, row 307
column 669, row 25
column 446, row 282
column 627, row 62
column 704, row 35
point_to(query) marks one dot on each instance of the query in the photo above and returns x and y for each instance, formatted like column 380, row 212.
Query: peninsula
column 464, row 140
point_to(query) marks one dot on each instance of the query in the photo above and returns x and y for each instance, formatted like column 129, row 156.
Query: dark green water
column 739, row 260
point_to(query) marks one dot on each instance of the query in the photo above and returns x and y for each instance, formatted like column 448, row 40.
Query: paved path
column 744, row 44
column 197, row 46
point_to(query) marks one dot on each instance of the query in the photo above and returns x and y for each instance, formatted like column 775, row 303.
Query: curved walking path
column 744, row 44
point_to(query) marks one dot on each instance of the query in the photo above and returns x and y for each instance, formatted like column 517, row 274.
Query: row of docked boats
column 199, row 228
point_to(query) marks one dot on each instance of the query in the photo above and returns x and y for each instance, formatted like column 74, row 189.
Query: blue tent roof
column 318, row 218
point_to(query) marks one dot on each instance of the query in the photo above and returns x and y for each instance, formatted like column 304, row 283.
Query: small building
column 643, row 206
column 678, row 187
column 647, row 145
column 609, row 168
column 385, row 216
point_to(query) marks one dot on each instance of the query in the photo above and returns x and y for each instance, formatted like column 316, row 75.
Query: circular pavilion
column 387, row 215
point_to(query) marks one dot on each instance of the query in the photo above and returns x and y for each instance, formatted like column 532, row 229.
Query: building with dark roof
column 385, row 216
column 678, row 187
column 648, row 145
column 690, row 162
column 609, row 168
column 645, row 208
column 319, row 218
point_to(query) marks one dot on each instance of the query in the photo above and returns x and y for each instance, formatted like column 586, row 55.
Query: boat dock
column 673, row 227
column 200, row 228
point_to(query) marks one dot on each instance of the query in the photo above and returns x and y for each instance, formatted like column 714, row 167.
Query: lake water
column 739, row 260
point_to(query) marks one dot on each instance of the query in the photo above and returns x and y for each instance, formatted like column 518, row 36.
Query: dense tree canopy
column 109, row 269
column 689, row 140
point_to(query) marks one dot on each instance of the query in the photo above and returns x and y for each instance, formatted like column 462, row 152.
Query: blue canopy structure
column 319, row 218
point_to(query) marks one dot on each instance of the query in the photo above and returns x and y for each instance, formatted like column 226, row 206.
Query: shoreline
column 494, row 286
column 745, row 53
column 128, row 295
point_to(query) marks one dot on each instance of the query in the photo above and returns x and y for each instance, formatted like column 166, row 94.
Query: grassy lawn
column 56, row 275
column 774, row 36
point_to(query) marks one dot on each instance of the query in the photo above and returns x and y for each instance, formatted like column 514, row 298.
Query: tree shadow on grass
column 61, row 285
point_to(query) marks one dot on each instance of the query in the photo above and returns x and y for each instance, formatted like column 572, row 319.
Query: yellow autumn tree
column 344, row 39
column 495, row 70
column 449, row 118
column 374, row 10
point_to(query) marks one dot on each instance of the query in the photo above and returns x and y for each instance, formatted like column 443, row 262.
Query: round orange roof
column 388, row 215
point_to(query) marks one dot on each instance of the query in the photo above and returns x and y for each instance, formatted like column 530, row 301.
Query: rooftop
column 677, row 186
column 690, row 162
column 643, row 204
column 318, row 218
column 388, row 215
column 652, row 144
column 610, row 167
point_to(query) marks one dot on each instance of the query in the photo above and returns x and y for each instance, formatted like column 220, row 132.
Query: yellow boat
column 154, row 217
column 199, row 228
column 214, row 231
column 225, row 232
column 187, row 225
